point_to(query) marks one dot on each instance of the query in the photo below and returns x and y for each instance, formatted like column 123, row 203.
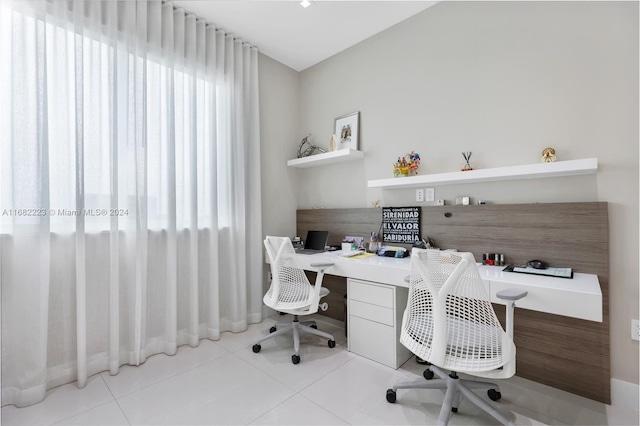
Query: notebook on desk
column 315, row 242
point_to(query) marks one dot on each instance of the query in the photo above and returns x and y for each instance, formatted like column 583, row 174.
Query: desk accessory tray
column 549, row 272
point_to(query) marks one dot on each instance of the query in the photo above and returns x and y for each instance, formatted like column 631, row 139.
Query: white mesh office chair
column 450, row 323
column 291, row 293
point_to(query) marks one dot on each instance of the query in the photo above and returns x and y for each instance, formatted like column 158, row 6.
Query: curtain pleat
column 129, row 188
column 114, row 192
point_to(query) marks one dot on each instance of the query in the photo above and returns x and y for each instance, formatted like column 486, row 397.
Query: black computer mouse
column 538, row 264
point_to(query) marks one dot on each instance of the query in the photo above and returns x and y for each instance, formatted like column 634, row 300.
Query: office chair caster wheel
column 314, row 326
column 272, row 329
column 323, row 306
column 494, row 395
column 256, row 348
column 332, row 343
column 295, row 359
column 391, row 396
column 427, row 374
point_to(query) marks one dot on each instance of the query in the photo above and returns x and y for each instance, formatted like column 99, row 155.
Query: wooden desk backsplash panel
column 339, row 222
column 565, row 353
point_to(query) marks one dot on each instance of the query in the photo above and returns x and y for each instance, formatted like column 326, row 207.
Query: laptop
column 315, row 242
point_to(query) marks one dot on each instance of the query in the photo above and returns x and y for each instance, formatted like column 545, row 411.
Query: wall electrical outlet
column 431, row 194
column 420, row 195
column 635, row 329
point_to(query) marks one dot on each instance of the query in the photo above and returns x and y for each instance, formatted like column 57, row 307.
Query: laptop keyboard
column 309, row 251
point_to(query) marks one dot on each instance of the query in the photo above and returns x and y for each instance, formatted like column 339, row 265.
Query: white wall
column 503, row 80
column 279, row 115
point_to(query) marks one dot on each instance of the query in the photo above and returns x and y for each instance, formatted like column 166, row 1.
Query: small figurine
column 407, row 165
column 548, row 155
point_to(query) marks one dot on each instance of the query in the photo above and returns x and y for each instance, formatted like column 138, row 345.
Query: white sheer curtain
column 129, row 188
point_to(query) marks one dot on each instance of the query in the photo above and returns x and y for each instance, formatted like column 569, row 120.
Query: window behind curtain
column 176, row 100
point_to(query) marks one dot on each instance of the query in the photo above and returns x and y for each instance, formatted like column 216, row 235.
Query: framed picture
column 347, row 131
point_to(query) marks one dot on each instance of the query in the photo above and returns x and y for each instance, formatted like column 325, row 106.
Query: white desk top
column 580, row 297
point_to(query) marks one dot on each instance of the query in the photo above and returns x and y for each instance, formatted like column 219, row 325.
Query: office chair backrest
column 289, row 284
column 449, row 319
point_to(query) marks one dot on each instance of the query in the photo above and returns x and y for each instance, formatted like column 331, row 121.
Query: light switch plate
column 430, row 194
column 420, row 195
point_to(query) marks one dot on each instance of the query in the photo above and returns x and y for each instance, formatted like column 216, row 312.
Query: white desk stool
column 290, row 292
column 450, row 323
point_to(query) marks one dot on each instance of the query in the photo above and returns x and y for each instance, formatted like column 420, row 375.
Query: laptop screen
column 316, row 240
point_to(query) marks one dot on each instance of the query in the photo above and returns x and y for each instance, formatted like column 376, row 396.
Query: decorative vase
column 332, row 143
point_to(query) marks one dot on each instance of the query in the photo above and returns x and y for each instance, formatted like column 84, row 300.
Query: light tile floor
column 225, row 383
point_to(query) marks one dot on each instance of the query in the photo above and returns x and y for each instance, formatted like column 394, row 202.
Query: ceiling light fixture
column 305, row 3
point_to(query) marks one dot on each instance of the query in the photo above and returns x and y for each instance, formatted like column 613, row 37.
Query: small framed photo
column 347, row 131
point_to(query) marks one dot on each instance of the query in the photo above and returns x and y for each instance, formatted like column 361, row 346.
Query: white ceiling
column 301, row 37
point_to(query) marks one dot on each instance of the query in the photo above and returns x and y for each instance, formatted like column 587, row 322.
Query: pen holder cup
column 373, row 247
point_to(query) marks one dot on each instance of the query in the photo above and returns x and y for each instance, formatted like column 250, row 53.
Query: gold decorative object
column 375, row 203
column 407, row 165
column 548, row 155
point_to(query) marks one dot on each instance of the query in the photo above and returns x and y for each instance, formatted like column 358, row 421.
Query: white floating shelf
column 529, row 171
column 325, row 158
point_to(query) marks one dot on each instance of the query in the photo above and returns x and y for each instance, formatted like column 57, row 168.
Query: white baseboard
column 625, row 394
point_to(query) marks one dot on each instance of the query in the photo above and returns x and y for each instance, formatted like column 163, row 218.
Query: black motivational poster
column 401, row 224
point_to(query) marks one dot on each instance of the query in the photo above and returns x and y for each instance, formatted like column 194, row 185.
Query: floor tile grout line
column 93, row 407
column 289, row 387
column 234, row 354
column 164, row 379
column 79, row 413
column 116, row 401
column 323, row 408
column 299, row 392
column 229, row 353
column 273, row 408
column 329, row 372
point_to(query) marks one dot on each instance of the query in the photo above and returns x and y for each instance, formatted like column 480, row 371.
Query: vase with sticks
column 467, row 164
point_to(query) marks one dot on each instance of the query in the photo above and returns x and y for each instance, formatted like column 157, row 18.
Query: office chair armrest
column 511, row 294
column 318, row 284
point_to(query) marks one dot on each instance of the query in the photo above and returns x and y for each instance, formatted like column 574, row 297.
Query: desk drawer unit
column 375, row 316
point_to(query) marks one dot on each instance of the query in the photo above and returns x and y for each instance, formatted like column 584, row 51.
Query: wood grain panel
column 565, row 353
column 546, row 365
column 339, row 222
